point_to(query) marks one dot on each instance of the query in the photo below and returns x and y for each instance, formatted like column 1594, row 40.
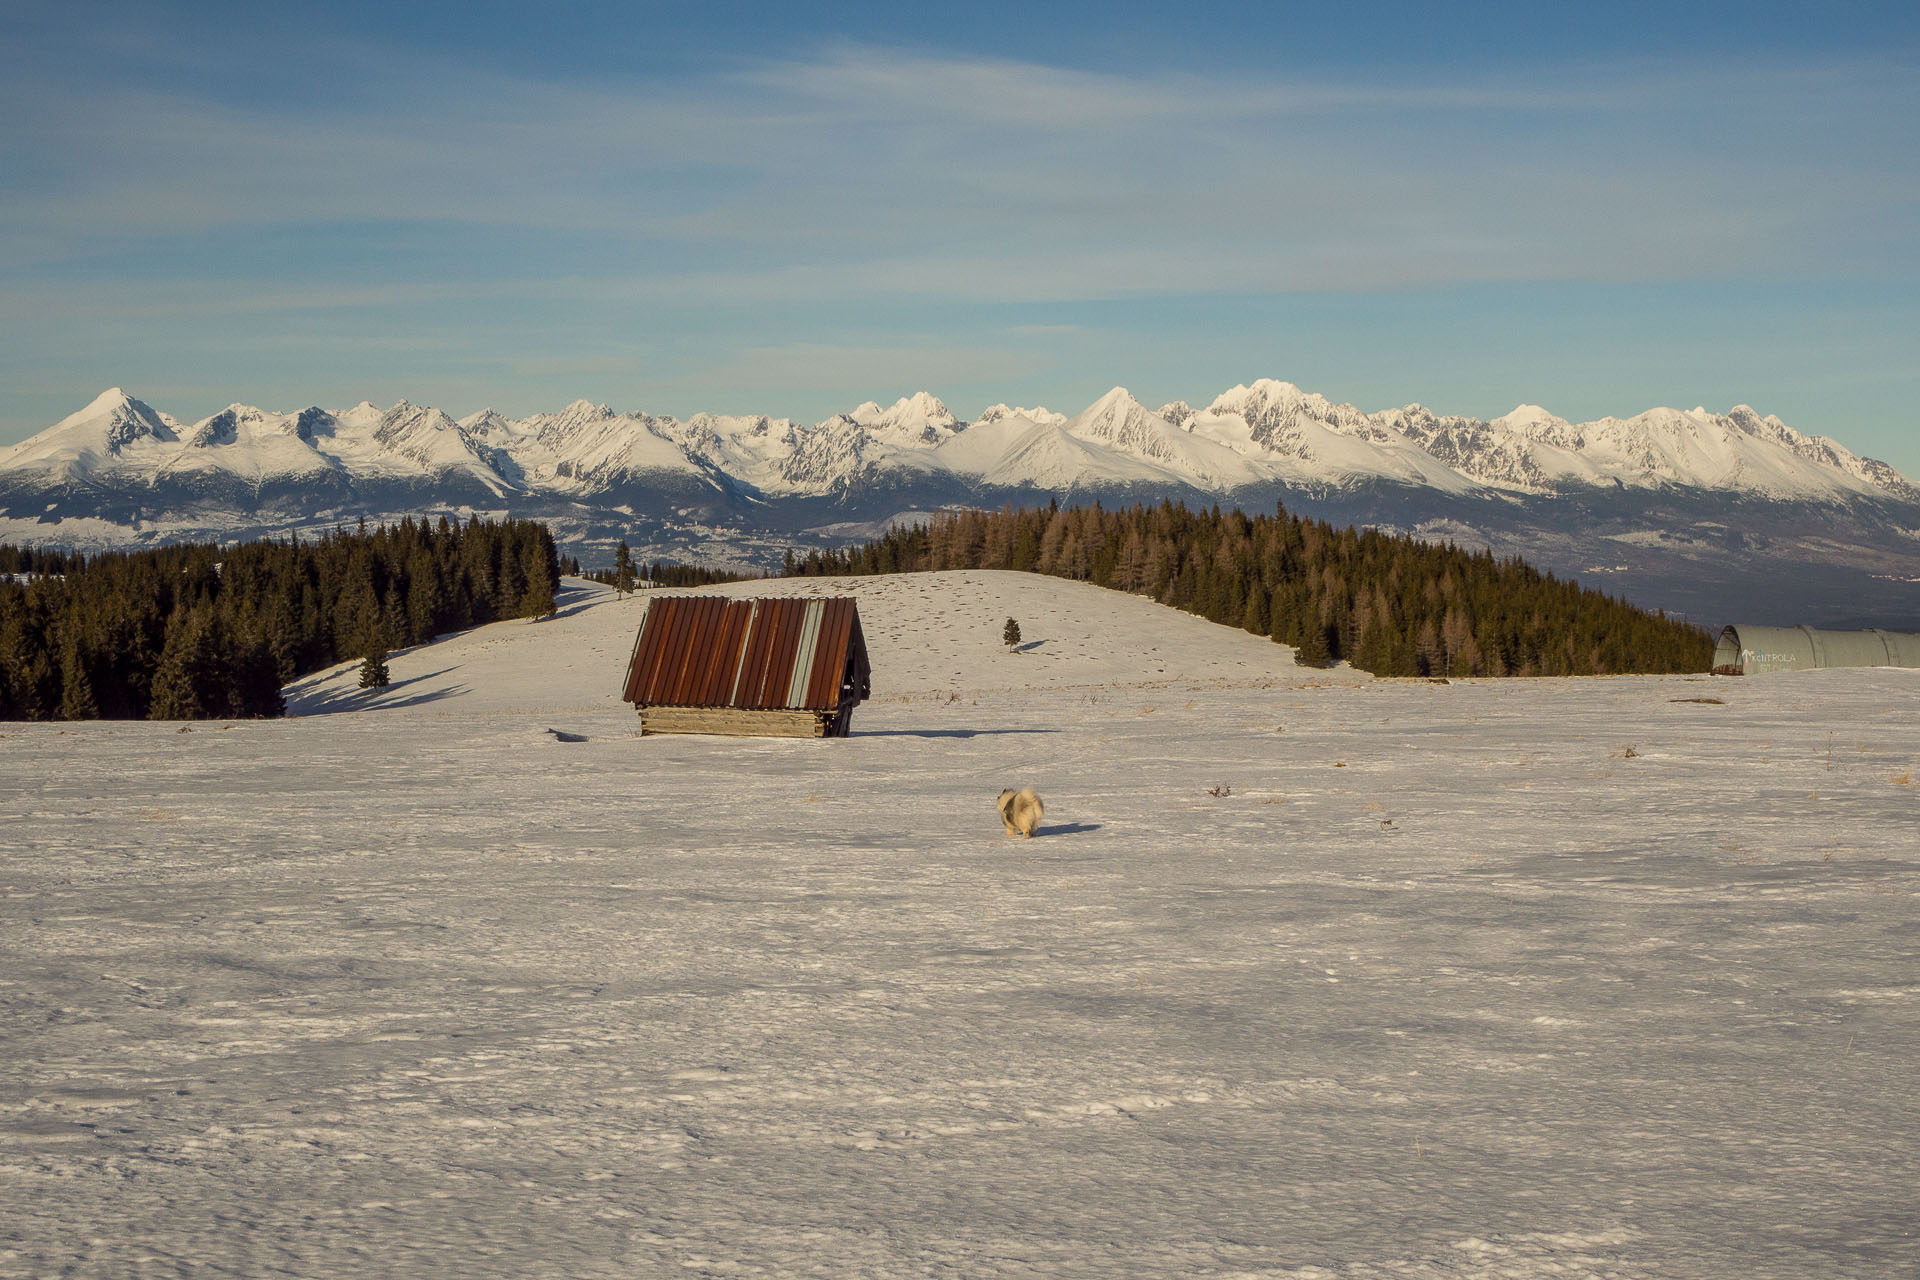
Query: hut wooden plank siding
column 785, row 668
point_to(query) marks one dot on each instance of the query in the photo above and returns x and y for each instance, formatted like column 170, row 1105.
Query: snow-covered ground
column 1595, row 978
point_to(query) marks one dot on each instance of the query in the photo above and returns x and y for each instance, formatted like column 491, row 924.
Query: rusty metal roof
column 708, row 651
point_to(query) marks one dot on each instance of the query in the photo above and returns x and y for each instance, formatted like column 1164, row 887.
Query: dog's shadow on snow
column 1067, row 829
column 940, row 733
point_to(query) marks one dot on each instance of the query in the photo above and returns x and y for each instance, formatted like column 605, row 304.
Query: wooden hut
column 779, row 668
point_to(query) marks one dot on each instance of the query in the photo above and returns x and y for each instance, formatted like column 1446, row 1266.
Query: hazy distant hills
column 1728, row 516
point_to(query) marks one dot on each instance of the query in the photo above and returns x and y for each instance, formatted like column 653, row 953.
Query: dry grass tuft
column 1627, row 752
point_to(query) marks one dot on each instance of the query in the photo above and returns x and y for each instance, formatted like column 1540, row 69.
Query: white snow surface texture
column 1573, row 978
column 1263, row 433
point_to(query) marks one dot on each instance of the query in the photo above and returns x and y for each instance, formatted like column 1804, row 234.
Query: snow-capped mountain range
column 1687, row 509
column 1263, row 435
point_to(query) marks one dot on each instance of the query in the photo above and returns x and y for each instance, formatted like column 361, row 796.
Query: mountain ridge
column 1262, row 433
column 1733, row 515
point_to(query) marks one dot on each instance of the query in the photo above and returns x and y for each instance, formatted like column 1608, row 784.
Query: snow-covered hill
column 926, row 632
column 1304, row 977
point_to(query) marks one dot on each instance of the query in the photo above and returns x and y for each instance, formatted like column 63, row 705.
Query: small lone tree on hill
column 373, row 672
column 623, row 574
column 1010, row 634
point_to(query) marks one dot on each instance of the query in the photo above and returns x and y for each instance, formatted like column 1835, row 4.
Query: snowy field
column 1589, row 978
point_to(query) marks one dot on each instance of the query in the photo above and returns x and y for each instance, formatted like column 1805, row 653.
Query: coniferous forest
column 205, row 632
column 1394, row 606
column 200, row 631
column 627, row 574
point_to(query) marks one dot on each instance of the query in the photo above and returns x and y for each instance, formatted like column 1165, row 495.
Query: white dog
column 1021, row 810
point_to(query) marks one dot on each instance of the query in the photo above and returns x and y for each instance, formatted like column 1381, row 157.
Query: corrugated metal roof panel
column 803, row 657
column 760, row 654
column 793, row 615
column 830, row 653
column 708, row 651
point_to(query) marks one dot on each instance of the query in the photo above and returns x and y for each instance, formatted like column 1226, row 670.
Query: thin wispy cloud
column 904, row 173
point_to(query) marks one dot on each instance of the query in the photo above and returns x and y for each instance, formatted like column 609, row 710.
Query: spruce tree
column 256, row 679
column 19, row 647
column 537, row 601
column 1312, row 650
column 76, row 687
column 1010, row 634
column 539, row 572
column 373, row 671
column 176, row 692
column 624, row 580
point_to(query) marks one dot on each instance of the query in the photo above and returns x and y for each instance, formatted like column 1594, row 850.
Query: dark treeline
column 206, row 632
column 662, row 574
column 1390, row 605
column 38, row 560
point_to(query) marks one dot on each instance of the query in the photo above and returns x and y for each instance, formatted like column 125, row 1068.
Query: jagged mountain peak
column 920, row 404
column 407, row 422
column 585, row 411
column 1274, row 389
column 1522, row 416
column 111, row 427
column 221, row 428
column 108, row 400
column 122, row 418
column 1178, row 412
column 1002, row 412
column 364, row 417
column 1276, row 411
column 1116, row 417
column 920, row 418
column 1262, row 392
column 1116, row 397
column 1118, row 421
column 224, row 426
column 488, row 423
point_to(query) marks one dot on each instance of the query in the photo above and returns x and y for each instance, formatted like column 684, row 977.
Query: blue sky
column 792, row 208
